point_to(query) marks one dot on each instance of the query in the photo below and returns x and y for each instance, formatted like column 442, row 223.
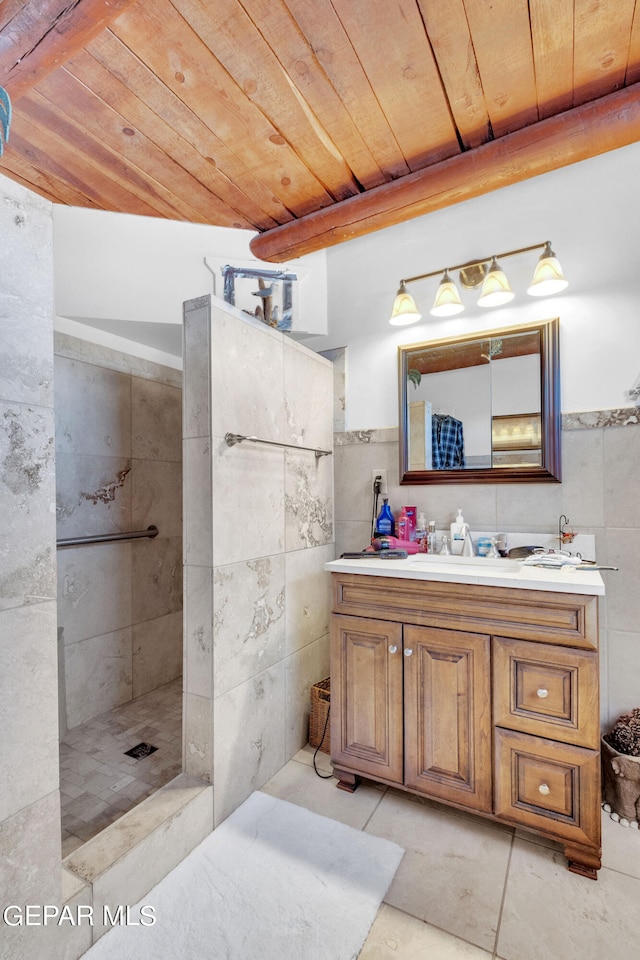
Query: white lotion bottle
column 458, row 531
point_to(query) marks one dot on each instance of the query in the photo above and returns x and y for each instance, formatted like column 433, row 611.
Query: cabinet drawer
column 548, row 786
column 546, row 690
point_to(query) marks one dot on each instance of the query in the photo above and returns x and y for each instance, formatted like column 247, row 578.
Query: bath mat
column 274, row 880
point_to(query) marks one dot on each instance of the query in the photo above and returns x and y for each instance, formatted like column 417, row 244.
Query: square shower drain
column 140, row 751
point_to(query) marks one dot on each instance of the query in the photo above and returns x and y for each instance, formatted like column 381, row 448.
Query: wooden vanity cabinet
column 485, row 698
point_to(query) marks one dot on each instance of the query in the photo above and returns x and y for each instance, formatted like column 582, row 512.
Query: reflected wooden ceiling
column 471, row 353
column 310, row 121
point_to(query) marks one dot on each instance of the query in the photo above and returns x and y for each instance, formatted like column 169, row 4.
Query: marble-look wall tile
column 521, row 503
column 28, row 708
column 197, row 737
column 622, row 595
column 338, row 358
column 156, row 420
column 308, row 500
column 156, row 568
column 198, row 630
column 622, row 459
column 302, row 670
column 583, row 497
column 248, row 504
column 308, row 592
column 157, row 496
column 157, row 652
column 198, row 501
column 26, row 370
column 351, row 536
column 247, row 371
column 249, row 621
column 27, row 567
column 94, row 589
column 26, row 258
column 93, row 410
column 250, row 739
column 93, row 494
column 308, row 397
column 30, row 873
column 353, row 466
column 97, row 675
column 196, row 359
column 73, row 348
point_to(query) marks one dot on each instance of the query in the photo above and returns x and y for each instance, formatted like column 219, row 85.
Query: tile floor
column 468, row 889
column 98, row 782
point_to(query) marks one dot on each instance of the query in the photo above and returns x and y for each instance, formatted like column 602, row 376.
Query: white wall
column 115, row 267
column 591, row 213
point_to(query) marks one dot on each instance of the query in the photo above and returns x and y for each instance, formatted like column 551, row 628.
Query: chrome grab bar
column 150, row 532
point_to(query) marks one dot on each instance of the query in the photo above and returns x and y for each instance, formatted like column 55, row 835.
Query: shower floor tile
column 98, row 782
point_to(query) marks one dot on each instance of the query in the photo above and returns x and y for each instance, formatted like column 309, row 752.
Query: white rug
column 273, row 881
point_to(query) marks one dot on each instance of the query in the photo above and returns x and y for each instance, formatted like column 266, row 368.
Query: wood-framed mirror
column 482, row 408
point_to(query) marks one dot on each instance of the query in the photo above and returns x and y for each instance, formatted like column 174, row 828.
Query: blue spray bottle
column 385, row 524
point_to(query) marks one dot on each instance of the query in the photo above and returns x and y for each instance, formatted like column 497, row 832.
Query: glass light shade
column 495, row 289
column 548, row 277
column 404, row 308
column 447, row 302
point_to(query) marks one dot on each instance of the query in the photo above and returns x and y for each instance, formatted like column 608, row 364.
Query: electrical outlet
column 383, row 475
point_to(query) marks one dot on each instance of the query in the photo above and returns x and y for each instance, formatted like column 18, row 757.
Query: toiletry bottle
column 458, row 531
column 411, row 513
column 403, row 525
column 420, row 534
column 385, row 524
column 432, row 546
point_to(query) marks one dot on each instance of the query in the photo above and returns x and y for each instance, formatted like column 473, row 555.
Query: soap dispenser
column 458, row 531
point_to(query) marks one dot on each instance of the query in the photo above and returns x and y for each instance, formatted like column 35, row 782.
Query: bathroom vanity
column 475, row 683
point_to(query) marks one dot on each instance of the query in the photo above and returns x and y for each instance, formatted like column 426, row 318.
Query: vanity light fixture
column 404, row 308
column 547, row 280
column 447, row 302
column 548, row 277
column 495, row 289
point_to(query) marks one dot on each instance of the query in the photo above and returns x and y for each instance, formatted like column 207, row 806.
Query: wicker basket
column 320, row 703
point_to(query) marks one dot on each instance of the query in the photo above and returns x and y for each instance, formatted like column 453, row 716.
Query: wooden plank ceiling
column 310, row 121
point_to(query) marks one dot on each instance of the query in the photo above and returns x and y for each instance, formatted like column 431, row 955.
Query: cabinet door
column 448, row 715
column 366, row 696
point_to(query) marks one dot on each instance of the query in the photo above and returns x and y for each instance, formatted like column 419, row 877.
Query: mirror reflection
column 475, row 407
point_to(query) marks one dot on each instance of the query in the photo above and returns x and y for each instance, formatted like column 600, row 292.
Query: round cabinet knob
column 543, row 693
column 544, row 789
column 393, row 648
column 408, row 652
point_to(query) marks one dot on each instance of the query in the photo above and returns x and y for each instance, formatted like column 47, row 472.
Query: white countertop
column 478, row 570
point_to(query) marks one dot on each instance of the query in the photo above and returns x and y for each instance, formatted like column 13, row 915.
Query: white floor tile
column 298, row 783
column 397, row 936
column 552, row 913
column 454, row 868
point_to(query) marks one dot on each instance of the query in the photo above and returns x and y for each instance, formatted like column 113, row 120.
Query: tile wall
column 118, row 469
column 598, row 493
column 29, row 800
column 258, row 530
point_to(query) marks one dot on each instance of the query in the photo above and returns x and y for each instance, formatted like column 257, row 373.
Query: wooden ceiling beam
column 43, row 34
column 585, row 131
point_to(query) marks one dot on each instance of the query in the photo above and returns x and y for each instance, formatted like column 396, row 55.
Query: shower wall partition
column 258, row 530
